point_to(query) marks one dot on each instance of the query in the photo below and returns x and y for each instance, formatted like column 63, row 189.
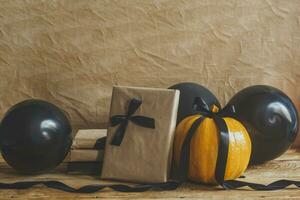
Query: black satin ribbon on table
column 184, row 165
column 122, row 121
column 91, row 188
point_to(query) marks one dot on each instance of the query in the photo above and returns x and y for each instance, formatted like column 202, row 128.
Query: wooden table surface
column 287, row 166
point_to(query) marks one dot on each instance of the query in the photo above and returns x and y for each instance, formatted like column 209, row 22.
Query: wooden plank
column 287, row 166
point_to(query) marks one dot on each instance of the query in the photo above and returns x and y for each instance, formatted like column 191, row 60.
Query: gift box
column 88, row 145
column 87, row 138
column 87, row 151
column 86, row 155
column 140, row 136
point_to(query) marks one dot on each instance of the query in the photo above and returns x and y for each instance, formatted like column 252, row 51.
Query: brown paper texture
column 86, row 138
column 145, row 154
column 85, row 155
column 71, row 52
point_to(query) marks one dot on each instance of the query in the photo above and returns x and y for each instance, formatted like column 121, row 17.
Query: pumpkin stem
column 215, row 108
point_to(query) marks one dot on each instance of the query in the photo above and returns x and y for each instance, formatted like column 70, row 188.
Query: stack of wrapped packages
column 138, row 142
column 87, row 151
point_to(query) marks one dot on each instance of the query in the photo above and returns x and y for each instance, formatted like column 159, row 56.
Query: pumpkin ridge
column 248, row 148
column 240, row 153
column 194, row 164
column 232, row 147
column 237, row 130
column 181, row 133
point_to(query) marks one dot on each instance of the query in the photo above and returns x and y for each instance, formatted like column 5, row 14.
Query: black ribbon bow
column 123, row 120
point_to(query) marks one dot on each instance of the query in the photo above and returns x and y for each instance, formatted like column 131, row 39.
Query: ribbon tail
column 119, row 134
column 143, row 121
column 91, row 188
column 277, row 185
column 134, row 104
column 223, row 149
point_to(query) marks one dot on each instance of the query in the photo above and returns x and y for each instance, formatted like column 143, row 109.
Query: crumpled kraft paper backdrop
column 72, row 52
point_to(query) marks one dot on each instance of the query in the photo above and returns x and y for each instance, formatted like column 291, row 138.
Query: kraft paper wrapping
column 82, row 149
column 145, row 154
column 71, row 52
column 86, row 155
column 86, row 138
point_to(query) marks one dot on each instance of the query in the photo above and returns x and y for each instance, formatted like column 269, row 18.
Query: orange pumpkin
column 204, row 147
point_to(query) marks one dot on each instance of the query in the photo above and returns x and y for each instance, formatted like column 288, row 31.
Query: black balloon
column 188, row 92
column 270, row 118
column 35, row 136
